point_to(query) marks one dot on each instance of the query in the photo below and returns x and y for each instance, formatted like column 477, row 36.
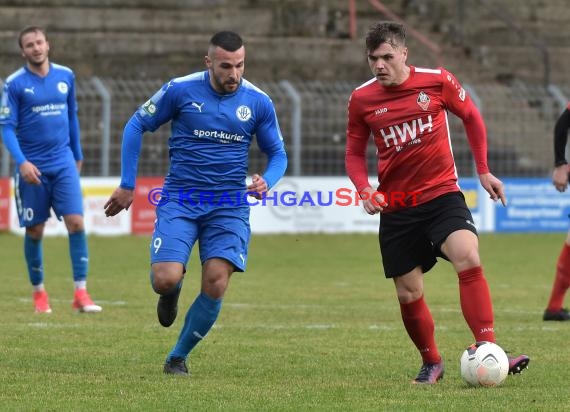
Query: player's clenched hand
column 119, row 200
column 560, row 177
column 258, row 187
column 494, row 187
column 373, row 201
column 30, row 173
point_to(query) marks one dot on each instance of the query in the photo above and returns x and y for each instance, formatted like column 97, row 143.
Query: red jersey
column 410, row 128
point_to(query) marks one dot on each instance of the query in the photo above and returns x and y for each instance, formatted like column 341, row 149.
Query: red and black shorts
column 413, row 236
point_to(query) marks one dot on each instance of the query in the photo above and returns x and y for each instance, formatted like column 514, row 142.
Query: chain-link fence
column 312, row 115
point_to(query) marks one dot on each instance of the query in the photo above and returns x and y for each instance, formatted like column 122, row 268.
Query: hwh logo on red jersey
column 407, row 131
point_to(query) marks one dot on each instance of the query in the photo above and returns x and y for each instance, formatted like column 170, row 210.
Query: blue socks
column 79, row 255
column 34, row 259
column 199, row 320
column 77, row 250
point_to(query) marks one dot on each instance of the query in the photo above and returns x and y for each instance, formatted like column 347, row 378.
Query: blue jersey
column 211, row 133
column 43, row 112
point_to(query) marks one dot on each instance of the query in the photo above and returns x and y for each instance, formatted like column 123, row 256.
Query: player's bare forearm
column 119, row 200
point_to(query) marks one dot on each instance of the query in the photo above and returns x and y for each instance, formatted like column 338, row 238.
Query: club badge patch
column 243, row 113
column 62, row 87
column 423, row 100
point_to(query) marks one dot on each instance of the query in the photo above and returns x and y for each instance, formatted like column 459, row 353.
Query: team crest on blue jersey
column 243, row 113
column 423, row 100
column 62, row 87
column 4, row 111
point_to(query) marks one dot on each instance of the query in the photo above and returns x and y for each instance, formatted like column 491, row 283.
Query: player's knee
column 468, row 259
column 74, row 223
column 35, row 232
column 165, row 278
column 215, row 289
column 163, row 285
column 408, row 296
column 215, row 280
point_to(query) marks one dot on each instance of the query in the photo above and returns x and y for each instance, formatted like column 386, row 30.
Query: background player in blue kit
column 215, row 114
column 40, row 129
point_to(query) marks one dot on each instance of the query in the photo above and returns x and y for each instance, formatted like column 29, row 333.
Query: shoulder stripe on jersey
column 17, row 73
column 424, row 70
column 366, row 83
column 190, row 77
column 246, row 84
column 59, row 66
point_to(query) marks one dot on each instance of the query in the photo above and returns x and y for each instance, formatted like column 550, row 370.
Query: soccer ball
column 484, row 364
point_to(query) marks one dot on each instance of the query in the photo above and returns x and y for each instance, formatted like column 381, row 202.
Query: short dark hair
column 385, row 32
column 30, row 29
column 227, row 40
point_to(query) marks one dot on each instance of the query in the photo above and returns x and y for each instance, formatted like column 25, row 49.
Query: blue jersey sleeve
column 8, row 106
column 270, row 141
column 156, row 111
column 160, row 108
column 131, row 147
column 74, row 134
column 276, row 167
column 11, row 142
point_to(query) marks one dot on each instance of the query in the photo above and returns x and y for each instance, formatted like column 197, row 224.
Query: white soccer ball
column 484, row 364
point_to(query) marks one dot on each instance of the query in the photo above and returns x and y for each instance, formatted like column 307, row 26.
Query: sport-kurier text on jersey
column 211, row 132
column 39, row 108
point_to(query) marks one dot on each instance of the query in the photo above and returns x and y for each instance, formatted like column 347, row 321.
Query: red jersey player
column 404, row 108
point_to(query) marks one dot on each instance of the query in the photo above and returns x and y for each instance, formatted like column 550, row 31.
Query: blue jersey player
column 40, row 129
column 214, row 114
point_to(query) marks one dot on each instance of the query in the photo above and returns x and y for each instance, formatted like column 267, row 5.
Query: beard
column 37, row 61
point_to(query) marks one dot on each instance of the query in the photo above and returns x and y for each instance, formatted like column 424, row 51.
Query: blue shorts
column 59, row 190
column 222, row 232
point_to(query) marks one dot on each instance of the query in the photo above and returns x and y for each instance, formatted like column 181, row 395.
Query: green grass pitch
column 312, row 325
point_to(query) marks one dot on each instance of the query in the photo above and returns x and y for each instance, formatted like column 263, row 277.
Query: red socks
column 476, row 303
column 561, row 280
column 476, row 306
column 420, row 326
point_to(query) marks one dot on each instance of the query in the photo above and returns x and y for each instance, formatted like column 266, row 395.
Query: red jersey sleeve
column 459, row 103
column 357, row 135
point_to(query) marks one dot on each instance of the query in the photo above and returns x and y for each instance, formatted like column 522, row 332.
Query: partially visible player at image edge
column 405, row 108
column 554, row 309
column 40, row 129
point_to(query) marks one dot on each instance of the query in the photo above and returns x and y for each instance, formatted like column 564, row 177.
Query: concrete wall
column 170, row 37
column 294, row 39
